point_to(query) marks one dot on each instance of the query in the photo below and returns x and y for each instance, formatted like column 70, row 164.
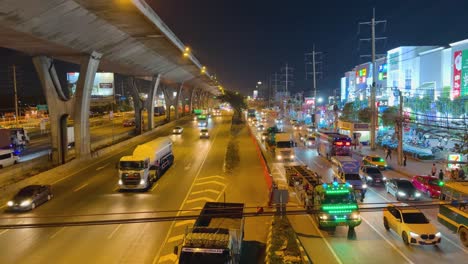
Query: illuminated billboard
column 103, row 86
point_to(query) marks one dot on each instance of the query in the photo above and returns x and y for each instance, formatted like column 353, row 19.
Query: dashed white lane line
column 388, row 241
column 175, row 238
column 211, row 177
column 56, row 233
column 113, row 232
column 205, row 199
column 81, row 187
column 210, row 182
column 102, row 167
column 325, row 240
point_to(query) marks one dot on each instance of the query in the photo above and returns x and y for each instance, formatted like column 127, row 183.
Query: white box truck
column 284, row 147
column 147, row 164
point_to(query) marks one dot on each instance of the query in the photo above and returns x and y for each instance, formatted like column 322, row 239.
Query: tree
column 348, row 113
column 237, row 102
column 364, row 115
column 390, row 116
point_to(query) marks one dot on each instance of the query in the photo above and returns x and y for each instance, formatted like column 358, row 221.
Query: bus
column 332, row 144
column 453, row 213
column 202, row 121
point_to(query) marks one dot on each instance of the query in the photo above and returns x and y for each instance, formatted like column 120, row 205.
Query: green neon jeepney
column 336, row 205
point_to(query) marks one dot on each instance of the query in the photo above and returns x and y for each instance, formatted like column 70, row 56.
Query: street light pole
column 400, row 131
column 16, row 94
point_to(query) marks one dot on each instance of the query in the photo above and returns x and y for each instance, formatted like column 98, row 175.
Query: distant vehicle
column 293, row 121
column 309, row 141
column 146, row 164
column 159, row 111
column 311, row 129
column 263, row 120
column 411, row 224
column 402, row 189
column 331, row 144
column 372, row 175
column 265, row 136
column 216, row 236
column 204, row 133
column 7, row 158
column 297, row 127
column 279, row 121
column 375, row 161
column 251, row 114
column 30, row 197
column 429, row 185
column 129, row 122
column 260, row 128
column 346, row 169
column 284, row 147
column 177, row 130
column 14, row 138
column 202, row 121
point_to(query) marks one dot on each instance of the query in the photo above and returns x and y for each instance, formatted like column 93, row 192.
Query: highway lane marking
column 102, row 167
column 325, row 240
column 191, row 211
column 210, row 177
column 154, row 187
column 168, row 257
column 184, row 222
column 210, row 182
column 204, row 191
column 157, row 256
column 56, row 233
column 4, row 231
column 81, row 187
column 455, row 244
column 114, row 231
column 206, row 199
column 175, row 238
column 388, row 241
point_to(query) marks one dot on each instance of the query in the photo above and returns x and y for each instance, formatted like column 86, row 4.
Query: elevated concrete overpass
column 121, row 36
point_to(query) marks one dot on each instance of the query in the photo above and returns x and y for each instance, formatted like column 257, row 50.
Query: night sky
column 245, row 41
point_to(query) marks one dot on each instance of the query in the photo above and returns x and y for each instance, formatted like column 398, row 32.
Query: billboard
column 457, row 71
column 464, row 76
column 103, row 86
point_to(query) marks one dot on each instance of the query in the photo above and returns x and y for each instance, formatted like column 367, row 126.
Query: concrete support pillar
column 177, row 101
column 149, row 103
column 137, row 103
column 58, row 105
column 168, row 101
column 191, row 92
column 89, row 67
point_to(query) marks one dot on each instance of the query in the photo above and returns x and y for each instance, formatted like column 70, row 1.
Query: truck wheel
column 463, row 234
column 385, row 224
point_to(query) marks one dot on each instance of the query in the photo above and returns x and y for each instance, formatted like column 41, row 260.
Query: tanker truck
column 147, row 164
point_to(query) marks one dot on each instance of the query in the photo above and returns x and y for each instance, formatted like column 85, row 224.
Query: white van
column 7, row 158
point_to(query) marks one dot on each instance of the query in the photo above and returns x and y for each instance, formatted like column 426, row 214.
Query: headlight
column 364, row 186
column 142, row 181
column 355, row 216
column 384, row 178
column 323, row 217
column 418, row 194
column 292, row 156
column 201, row 133
column 25, row 203
column 438, row 234
column 279, row 157
column 10, row 203
column 414, row 235
column 369, row 178
column 400, row 193
column 120, row 182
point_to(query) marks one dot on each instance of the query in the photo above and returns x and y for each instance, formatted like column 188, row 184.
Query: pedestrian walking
column 434, row 169
column 404, row 160
column 461, row 174
column 441, row 175
column 389, row 153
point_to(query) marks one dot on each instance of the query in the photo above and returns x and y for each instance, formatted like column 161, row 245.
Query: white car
column 7, row 158
column 204, row 133
column 411, row 224
column 177, row 130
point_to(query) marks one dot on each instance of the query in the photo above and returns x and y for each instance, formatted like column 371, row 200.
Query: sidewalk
column 413, row 167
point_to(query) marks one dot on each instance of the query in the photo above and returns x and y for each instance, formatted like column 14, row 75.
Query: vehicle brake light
column 339, row 143
column 348, row 144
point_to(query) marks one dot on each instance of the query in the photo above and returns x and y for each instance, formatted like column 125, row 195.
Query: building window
column 408, row 79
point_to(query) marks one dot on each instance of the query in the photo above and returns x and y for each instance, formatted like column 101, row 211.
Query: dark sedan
column 372, row 175
column 402, row 189
column 30, row 197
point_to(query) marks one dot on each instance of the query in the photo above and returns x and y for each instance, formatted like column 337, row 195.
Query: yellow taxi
column 411, row 224
column 374, row 161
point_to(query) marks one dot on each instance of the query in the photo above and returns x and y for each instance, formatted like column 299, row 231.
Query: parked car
column 8, row 158
column 411, row 224
column 402, row 189
column 177, row 130
column 429, row 185
column 372, row 175
column 375, row 161
column 30, row 197
column 129, row 122
column 204, row 133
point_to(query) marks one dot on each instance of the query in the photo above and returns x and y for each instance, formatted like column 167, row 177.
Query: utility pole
column 374, row 118
column 399, row 131
column 16, row 94
column 314, row 76
column 286, row 80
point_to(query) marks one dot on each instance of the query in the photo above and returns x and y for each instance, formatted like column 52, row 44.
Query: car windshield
column 284, row 144
column 373, row 170
column 405, row 185
column 415, row 218
column 339, row 198
column 131, row 165
column 26, row 192
column 434, row 182
column 352, row 177
column 377, row 159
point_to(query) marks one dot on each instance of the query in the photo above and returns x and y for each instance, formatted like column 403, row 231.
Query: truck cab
column 284, row 147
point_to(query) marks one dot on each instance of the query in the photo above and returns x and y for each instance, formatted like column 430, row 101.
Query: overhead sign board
column 103, row 86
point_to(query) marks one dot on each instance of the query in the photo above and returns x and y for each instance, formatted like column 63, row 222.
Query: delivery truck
column 216, row 236
column 147, row 163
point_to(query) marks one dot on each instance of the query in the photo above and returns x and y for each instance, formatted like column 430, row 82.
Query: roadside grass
column 284, row 248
